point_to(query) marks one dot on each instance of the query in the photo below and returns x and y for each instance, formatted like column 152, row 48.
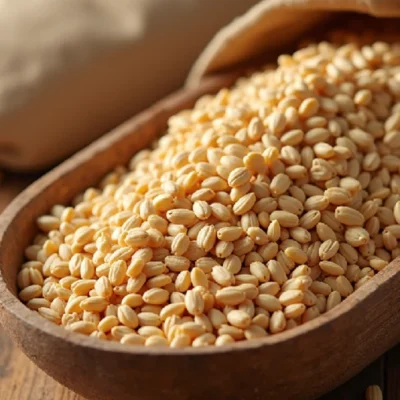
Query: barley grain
column 243, row 220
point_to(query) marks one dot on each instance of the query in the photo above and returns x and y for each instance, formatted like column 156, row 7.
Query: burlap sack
column 273, row 23
column 72, row 69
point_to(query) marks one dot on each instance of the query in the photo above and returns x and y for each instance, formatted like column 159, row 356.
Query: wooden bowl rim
column 15, row 307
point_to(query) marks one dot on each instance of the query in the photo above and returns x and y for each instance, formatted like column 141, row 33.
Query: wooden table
column 20, row 379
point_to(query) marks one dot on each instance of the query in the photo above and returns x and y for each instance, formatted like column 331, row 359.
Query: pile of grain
column 263, row 207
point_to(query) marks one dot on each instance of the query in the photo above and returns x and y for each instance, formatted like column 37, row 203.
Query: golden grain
column 243, row 220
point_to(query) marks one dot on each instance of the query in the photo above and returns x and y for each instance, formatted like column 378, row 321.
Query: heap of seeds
column 260, row 209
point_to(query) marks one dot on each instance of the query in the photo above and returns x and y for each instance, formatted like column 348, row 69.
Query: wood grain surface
column 20, row 379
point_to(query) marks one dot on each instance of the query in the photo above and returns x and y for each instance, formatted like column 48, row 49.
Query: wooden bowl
column 298, row 364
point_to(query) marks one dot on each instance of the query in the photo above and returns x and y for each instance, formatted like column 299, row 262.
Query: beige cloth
column 72, row 69
column 274, row 23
